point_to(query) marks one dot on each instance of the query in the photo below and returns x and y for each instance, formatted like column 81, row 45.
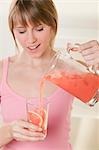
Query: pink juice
column 82, row 86
column 37, row 116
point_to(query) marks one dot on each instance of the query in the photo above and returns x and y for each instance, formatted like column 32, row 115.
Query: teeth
column 33, row 47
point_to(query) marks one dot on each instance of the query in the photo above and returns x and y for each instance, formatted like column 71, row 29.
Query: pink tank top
column 13, row 107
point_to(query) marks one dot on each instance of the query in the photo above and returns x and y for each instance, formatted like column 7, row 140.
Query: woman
column 33, row 24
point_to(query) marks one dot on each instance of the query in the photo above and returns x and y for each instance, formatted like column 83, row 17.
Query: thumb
column 73, row 47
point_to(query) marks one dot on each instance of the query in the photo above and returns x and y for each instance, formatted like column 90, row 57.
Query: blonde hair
column 34, row 12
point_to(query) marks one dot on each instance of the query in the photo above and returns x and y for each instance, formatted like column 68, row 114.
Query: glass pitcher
column 74, row 77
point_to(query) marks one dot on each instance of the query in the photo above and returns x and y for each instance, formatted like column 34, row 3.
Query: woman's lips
column 33, row 48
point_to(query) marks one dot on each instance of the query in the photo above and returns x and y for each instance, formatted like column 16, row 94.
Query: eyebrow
column 19, row 27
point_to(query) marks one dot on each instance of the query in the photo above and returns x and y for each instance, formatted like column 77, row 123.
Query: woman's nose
column 31, row 38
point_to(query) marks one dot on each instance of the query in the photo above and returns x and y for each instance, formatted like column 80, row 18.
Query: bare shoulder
column 1, row 68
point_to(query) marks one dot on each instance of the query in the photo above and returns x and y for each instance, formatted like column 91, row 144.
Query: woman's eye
column 21, row 32
column 40, row 29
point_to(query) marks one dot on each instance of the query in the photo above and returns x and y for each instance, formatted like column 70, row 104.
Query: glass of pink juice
column 38, row 114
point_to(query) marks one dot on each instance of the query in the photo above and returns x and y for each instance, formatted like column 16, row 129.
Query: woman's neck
column 28, row 60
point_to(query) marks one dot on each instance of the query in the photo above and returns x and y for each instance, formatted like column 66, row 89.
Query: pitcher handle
column 92, row 69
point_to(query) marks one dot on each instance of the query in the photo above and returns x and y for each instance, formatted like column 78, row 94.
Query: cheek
column 21, row 40
column 47, row 38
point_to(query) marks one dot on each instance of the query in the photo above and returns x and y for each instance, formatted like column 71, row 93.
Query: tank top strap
column 5, row 69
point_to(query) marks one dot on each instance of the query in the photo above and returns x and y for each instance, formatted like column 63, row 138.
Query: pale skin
column 89, row 51
column 31, row 64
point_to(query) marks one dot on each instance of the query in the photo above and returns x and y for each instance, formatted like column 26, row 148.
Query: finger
column 27, row 132
column 73, row 47
column 89, row 51
column 28, row 125
column 19, row 133
column 90, row 60
column 22, row 137
column 89, row 45
column 90, row 56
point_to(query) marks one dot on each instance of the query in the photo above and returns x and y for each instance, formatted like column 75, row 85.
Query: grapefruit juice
column 82, row 86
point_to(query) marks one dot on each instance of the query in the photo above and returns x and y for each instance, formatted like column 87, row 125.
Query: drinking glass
column 38, row 114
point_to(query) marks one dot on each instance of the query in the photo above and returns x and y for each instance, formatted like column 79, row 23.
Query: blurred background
column 78, row 22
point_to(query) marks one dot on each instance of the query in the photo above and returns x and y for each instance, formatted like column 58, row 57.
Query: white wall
column 78, row 22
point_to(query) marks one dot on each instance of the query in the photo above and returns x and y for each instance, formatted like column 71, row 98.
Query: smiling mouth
column 32, row 48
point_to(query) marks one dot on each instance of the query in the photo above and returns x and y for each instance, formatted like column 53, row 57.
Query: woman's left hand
column 89, row 51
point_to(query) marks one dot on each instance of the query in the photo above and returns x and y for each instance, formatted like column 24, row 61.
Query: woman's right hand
column 24, row 131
